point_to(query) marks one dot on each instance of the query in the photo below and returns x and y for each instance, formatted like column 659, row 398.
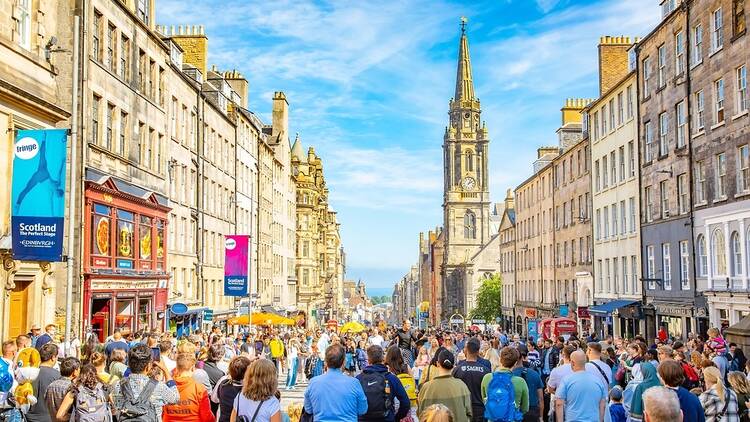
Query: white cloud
column 546, row 5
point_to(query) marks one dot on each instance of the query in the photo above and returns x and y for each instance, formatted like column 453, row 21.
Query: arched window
column 718, row 254
column 702, row 257
column 470, row 225
column 736, row 252
column 469, row 161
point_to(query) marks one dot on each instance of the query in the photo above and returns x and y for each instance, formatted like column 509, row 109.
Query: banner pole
column 72, row 193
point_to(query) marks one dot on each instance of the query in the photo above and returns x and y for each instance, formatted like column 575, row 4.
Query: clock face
column 468, row 183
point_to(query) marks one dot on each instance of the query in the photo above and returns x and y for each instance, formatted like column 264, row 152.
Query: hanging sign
column 236, row 280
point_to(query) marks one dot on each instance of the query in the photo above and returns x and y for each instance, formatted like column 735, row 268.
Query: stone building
column 507, row 251
column 665, row 158
column 716, row 74
column 572, row 209
column 612, row 132
column 34, row 94
column 535, row 271
column 466, row 200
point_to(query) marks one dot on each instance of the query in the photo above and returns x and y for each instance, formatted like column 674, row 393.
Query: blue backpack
column 501, row 399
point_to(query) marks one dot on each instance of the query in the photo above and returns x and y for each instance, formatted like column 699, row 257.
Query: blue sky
column 369, row 83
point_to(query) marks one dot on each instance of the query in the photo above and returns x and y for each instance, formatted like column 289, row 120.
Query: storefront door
column 100, row 317
column 18, row 323
column 125, row 315
column 145, row 307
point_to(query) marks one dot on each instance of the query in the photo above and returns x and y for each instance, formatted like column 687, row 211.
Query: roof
column 297, row 153
column 464, row 80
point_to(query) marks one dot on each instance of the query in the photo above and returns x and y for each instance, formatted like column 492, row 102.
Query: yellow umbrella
column 262, row 319
column 352, row 327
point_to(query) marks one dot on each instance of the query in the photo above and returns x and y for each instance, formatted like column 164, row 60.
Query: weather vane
column 463, row 24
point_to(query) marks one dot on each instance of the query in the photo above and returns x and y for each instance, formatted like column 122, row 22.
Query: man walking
column 471, row 372
column 534, row 383
column 508, row 358
column 596, row 366
column 580, row 396
column 69, row 370
column 382, row 389
column 47, row 374
column 334, row 396
column 48, row 337
column 405, row 339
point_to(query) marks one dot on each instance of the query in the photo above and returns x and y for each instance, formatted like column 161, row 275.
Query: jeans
column 291, row 375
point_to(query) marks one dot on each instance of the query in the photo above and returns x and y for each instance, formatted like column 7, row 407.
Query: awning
column 609, row 307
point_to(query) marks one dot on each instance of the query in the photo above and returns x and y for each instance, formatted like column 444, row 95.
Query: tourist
column 292, row 357
column 446, row 390
column 228, row 388
column 405, row 339
column 673, row 376
column 596, row 366
column 719, row 403
column 580, row 396
column 437, row 413
column 738, row 382
column 534, row 384
column 47, row 374
column 382, row 389
column 86, row 400
column 165, row 353
column 333, row 395
column 70, row 368
column 27, row 354
column 395, row 363
column 650, row 380
column 50, row 332
column 194, row 405
column 471, row 372
column 661, row 405
column 117, row 343
column 100, row 363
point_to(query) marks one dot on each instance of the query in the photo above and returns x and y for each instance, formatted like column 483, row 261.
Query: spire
column 464, row 82
column 297, row 150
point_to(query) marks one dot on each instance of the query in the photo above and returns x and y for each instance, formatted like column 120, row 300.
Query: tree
column 489, row 299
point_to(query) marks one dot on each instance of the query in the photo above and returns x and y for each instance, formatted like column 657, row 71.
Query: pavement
column 296, row 395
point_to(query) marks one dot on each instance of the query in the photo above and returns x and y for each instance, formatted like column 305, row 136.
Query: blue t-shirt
column 533, row 381
column 692, row 411
column 617, row 412
column 582, row 394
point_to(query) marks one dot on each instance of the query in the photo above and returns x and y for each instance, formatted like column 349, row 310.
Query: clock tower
column 466, row 197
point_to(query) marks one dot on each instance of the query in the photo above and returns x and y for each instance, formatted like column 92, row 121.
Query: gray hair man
column 660, row 404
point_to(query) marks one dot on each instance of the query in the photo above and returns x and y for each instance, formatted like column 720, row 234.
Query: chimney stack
column 613, row 61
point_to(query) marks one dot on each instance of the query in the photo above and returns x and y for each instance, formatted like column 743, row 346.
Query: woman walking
column 87, row 398
column 719, row 402
column 292, row 356
column 257, row 401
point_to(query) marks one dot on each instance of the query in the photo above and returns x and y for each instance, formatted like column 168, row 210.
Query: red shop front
column 125, row 270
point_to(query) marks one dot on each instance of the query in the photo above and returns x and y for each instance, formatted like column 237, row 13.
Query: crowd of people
column 396, row 374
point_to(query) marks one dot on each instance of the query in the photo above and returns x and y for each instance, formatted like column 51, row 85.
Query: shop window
column 101, row 234
column 144, row 313
column 125, row 238
column 124, row 317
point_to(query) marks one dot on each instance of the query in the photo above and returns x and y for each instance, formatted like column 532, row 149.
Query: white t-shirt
column 247, row 407
column 558, row 374
column 376, row 340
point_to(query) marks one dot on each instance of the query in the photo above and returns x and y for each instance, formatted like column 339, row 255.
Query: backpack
column 137, row 409
column 410, row 386
column 501, row 399
column 91, row 405
column 378, row 392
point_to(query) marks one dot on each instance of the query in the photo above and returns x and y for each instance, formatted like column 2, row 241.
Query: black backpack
column 378, row 392
column 137, row 409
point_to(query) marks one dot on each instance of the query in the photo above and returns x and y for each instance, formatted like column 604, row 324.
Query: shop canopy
column 262, row 319
column 607, row 308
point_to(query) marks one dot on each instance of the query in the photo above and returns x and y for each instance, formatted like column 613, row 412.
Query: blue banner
column 38, row 194
column 532, row 330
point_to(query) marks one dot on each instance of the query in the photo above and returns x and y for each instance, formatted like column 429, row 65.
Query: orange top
column 194, row 405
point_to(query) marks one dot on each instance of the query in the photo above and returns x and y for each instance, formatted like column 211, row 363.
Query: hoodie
column 193, row 406
column 397, row 392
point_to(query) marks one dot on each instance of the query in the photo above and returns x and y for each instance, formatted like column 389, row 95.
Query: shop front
column 125, row 279
column 617, row 317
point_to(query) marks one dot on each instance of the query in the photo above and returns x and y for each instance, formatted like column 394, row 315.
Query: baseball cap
column 615, row 394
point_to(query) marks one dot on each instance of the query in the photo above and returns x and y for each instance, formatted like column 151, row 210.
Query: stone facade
column 507, row 251
column 664, row 148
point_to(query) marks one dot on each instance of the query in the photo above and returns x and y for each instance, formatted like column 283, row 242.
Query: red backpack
column 690, row 373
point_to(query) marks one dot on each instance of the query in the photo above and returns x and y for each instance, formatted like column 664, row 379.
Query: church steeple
column 464, row 81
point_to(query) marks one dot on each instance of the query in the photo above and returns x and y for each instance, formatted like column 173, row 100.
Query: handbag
column 306, row 417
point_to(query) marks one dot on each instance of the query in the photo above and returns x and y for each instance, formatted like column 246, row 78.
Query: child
column 716, row 342
column 616, row 410
column 361, row 355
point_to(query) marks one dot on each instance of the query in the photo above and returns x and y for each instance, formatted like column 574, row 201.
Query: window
column 700, row 182
column 111, row 47
column 597, row 179
column 95, row 119
column 738, row 17
column 23, row 24
column 605, row 212
column 717, row 35
column 667, row 7
column 621, row 156
column 620, row 109
column 651, row 267
column 633, row 222
column 110, row 118
column 702, row 257
column 742, row 102
column 631, row 155
column 95, row 40
column 697, row 44
column 605, row 173
column 736, row 253
column 629, row 94
column 595, row 125
column 679, row 53
column 122, row 148
column 649, row 133
column 681, row 121
column 604, row 120
column 615, row 226
column 684, row 265
column 646, row 77
column 682, row 193
column 124, row 56
column 613, row 167
column 718, row 256
column 470, row 221
column 612, row 114
column 143, row 11
column 743, row 169
column 598, row 224
column 469, row 161
column 649, row 203
column 664, row 199
column 662, row 76
column 700, row 120
column 663, row 132
column 721, row 175
column 719, row 105
column 623, row 225
column 666, row 266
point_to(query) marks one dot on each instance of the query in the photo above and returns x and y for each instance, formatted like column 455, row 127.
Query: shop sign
column 583, row 312
column 236, row 280
column 38, row 194
column 179, row 308
column 530, row 313
column 208, row 315
column 674, row 310
column 532, row 329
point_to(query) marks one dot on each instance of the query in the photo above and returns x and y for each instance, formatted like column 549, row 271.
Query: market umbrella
column 352, row 327
column 262, row 318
